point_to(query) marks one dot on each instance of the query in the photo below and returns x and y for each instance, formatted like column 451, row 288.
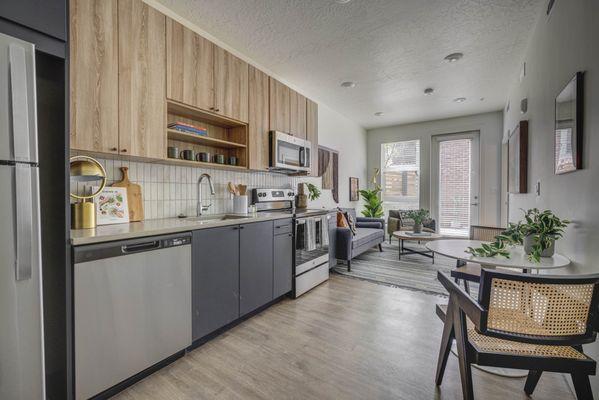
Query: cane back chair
column 532, row 322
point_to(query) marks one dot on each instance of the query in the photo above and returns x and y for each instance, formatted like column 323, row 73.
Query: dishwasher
column 132, row 305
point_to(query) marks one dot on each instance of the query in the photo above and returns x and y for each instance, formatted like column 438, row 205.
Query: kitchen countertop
column 153, row 227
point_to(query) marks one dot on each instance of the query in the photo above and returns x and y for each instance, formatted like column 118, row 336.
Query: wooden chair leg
column 582, row 385
column 446, row 342
column 465, row 367
column 348, row 265
column 531, row 381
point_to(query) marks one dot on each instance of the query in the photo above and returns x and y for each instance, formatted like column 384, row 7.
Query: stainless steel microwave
column 289, row 154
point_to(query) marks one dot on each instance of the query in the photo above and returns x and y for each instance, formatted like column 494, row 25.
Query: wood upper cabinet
column 230, row 85
column 279, row 106
column 94, row 76
column 142, row 76
column 258, row 119
column 189, row 67
column 312, row 133
column 297, row 114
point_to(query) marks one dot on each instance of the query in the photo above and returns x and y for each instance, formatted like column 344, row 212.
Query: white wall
column 340, row 133
column 561, row 44
column 490, row 126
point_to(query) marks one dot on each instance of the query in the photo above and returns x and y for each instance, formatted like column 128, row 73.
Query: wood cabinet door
column 230, row 85
column 258, row 119
column 215, row 279
column 94, row 76
column 312, row 134
column 189, row 67
column 255, row 266
column 142, row 76
column 297, row 114
column 279, row 106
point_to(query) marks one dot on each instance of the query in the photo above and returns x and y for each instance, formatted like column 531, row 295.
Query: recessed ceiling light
column 482, row 99
column 348, row 84
column 453, row 57
column 379, row 113
column 342, row 1
column 460, row 100
column 428, row 91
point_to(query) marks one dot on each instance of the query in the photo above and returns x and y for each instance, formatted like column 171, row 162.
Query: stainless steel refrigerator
column 21, row 325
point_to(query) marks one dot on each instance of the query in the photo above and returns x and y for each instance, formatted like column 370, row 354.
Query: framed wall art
column 518, row 159
column 354, row 188
column 568, row 126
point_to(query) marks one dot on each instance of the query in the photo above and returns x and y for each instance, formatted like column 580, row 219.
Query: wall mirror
column 568, row 126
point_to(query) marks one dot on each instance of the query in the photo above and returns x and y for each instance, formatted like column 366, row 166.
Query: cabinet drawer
column 283, row 226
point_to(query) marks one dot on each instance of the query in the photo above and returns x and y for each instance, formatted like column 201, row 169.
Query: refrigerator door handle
column 24, row 208
column 20, row 107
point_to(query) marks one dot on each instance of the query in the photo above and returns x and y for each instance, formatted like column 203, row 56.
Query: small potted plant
column 418, row 216
column 541, row 230
column 302, row 197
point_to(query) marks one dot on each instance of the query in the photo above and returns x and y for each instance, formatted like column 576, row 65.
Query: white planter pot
column 529, row 242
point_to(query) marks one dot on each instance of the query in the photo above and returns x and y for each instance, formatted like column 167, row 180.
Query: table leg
column 400, row 244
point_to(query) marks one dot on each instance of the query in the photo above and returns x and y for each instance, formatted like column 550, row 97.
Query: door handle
column 135, row 248
column 24, row 219
column 473, row 204
column 20, row 102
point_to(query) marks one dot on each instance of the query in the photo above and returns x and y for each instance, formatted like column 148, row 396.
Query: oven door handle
column 302, row 157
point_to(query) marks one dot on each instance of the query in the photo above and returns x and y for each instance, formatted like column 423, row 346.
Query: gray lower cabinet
column 215, row 279
column 282, row 264
column 255, row 265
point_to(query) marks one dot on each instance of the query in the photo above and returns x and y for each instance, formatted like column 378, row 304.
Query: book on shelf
column 183, row 127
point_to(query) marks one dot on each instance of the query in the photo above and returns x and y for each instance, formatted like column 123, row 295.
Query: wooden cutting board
column 134, row 199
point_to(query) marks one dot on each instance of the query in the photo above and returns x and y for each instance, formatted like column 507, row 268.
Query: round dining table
column 456, row 248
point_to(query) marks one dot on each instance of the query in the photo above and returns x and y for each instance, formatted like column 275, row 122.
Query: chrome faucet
column 201, row 208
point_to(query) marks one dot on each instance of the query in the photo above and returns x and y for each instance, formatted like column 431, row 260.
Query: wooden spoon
column 232, row 188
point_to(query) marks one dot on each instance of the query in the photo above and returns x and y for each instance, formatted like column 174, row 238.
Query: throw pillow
column 351, row 222
column 341, row 220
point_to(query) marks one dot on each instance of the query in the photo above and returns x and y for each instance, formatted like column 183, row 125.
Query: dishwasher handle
column 139, row 247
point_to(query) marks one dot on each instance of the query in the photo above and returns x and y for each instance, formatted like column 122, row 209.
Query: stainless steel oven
column 288, row 153
column 311, row 251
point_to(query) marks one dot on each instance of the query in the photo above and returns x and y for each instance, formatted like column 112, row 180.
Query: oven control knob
column 290, row 194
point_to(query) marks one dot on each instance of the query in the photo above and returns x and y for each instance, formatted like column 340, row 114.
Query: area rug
column 413, row 271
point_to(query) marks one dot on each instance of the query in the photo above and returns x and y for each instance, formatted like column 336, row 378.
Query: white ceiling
column 393, row 49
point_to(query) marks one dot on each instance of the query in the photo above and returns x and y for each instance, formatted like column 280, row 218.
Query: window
column 400, row 175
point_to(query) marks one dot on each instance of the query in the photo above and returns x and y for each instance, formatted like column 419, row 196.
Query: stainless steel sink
column 218, row 217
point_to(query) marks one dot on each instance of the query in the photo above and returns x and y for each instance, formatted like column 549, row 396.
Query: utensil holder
column 240, row 204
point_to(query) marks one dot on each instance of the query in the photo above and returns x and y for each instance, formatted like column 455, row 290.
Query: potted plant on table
column 541, row 230
column 418, row 216
column 537, row 233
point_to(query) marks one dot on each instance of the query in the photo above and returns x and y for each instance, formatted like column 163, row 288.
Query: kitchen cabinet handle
column 124, row 150
column 113, row 149
column 212, row 108
column 217, row 110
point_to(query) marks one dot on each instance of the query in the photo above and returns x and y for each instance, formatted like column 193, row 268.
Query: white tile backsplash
column 170, row 190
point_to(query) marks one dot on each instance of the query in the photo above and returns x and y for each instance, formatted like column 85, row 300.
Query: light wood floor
column 347, row 339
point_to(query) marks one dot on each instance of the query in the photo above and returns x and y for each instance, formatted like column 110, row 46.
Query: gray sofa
column 370, row 232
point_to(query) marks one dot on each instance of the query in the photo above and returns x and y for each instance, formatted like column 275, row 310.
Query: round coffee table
column 404, row 236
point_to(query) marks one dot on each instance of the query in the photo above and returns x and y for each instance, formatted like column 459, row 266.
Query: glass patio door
column 455, row 183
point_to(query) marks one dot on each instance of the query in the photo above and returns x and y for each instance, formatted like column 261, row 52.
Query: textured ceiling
column 393, row 49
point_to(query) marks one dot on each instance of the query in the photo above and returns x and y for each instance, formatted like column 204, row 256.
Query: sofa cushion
column 365, row 235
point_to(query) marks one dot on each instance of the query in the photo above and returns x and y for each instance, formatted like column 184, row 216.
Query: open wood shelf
column 203, row 140
column 189, row 163
column 197, row 114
